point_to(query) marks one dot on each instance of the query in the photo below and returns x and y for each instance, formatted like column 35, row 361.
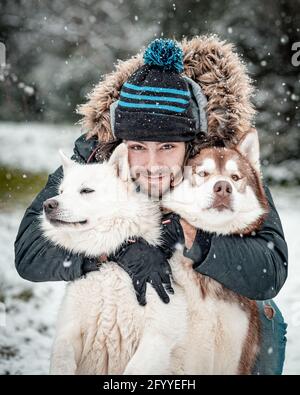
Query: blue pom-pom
column 164, row 53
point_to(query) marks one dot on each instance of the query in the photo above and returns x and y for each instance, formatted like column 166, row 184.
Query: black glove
column 89, row 265
column 145, row 263
column 172, row 233
column 199, row 249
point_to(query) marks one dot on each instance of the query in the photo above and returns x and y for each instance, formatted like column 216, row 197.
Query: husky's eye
column 203, row 173
column 235, row 177
column 86, row 190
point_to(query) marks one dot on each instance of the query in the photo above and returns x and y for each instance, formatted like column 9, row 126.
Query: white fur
column 231, row 166
column 113, row 211
column 101, row 328
column 208, row 165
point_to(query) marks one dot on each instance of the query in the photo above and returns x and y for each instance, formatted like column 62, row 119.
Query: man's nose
column 153, row 161
column 222, row 188
column 50, row 205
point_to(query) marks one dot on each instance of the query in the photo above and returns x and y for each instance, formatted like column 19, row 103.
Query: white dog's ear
column 66, row 162
column 249, row 147
column 119, row 159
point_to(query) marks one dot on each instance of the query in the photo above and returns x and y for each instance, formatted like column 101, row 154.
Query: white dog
column 205, row 329
column 101, row 327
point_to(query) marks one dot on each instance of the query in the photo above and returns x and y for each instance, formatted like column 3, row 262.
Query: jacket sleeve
column 37, row 259
column 254, row 266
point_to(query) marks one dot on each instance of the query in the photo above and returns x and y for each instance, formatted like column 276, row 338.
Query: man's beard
column 156, row 190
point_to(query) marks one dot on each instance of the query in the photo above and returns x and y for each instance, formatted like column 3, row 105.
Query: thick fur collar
column 212, row 63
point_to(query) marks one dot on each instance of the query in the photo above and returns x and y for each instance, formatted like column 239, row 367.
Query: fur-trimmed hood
column 212, row 63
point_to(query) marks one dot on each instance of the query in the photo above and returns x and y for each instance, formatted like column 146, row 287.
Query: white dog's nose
column 50, row 205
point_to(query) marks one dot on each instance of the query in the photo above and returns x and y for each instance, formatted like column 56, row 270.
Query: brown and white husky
column 222, row 194
column 205, row 329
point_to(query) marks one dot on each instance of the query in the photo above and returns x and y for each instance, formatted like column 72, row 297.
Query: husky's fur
column 228, row 324
column 205, row 329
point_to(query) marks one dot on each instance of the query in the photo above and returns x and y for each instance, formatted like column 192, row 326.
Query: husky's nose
column 50, row 205
column 222, row 188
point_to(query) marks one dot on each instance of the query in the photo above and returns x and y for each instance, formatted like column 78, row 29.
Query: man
column 159, row 115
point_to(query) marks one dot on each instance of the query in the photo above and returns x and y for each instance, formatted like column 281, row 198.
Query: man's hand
column 145, row 263
column 176, row 230
column 189, row 232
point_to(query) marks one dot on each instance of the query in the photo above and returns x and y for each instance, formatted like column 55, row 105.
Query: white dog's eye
column 235, row 177
column 86, row 190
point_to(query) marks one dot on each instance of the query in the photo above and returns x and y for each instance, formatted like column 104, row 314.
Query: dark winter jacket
column 253, row 266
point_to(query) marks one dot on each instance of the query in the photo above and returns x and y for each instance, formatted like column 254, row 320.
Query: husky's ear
column 249, row 147
column 66, row 162
column 119, row 159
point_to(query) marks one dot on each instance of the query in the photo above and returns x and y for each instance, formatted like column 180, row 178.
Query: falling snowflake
column 271, row 245
column 67, row 263
column 270, row 350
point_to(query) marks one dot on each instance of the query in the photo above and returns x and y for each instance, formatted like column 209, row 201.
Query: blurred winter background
column 55, row 52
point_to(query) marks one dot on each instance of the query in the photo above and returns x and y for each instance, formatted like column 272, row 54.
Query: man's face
column 154, row 165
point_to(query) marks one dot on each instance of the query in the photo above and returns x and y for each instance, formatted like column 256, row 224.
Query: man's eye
column 86, row 190
column 167, row 146
column 136, row 147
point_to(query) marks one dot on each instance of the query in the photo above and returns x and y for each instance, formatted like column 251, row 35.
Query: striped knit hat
column 155, row 103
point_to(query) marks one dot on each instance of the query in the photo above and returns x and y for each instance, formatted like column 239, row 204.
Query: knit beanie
column 156, row 102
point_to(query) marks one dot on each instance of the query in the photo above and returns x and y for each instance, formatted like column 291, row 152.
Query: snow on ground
column 34, row 146
column 27, row 313
column 28, row 310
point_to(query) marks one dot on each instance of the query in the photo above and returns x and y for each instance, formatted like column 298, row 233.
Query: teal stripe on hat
column 147, row 97
column 157, row 89
column 157, row 106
